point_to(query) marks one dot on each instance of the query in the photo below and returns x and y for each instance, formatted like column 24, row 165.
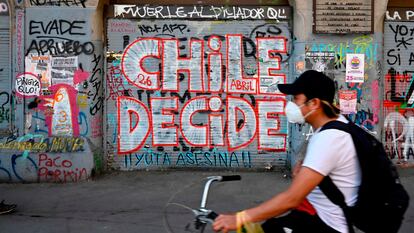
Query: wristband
column 241, row 218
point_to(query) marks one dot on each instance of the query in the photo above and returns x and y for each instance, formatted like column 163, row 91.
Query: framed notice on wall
column 343, row 17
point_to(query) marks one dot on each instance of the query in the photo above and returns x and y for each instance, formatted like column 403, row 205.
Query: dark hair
column 329, row 109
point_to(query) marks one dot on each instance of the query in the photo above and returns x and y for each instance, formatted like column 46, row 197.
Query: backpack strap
column 329, row 188
column 335, row 196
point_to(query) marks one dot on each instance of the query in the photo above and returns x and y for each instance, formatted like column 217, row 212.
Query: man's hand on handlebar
column 225, row 223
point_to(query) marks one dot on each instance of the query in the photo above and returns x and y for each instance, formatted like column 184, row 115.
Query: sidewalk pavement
column 134, row 201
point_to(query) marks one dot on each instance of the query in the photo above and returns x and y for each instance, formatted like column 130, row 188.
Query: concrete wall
column 96, row 111
column 57, row 92
column 6, row 13
column 398, row 86
column 369, row 97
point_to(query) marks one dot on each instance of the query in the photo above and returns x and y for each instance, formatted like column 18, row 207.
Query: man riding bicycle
column 330, row 152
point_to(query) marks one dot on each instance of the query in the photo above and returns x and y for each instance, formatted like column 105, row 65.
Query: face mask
column 293, row 113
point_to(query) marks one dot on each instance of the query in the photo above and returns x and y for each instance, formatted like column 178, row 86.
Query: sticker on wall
column 41, row 66
column 355, row 68
column 63, row 69
column 320, row 61
column 300, row 66
column 347, row 101
column 27, row 85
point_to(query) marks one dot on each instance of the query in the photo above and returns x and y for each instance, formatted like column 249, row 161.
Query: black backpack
column 382, row 200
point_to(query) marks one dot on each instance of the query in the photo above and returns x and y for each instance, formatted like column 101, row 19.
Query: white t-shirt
column 332, row 152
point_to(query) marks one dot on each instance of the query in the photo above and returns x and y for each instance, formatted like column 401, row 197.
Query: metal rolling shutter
column 121, row 32
column 5, row 72
column 398, row 88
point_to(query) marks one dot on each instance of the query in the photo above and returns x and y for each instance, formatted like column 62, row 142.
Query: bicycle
column 201, row 216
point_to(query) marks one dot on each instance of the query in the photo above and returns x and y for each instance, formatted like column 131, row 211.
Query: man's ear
column 315, row 103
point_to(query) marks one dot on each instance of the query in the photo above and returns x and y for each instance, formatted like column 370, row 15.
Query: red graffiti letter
column 133, row 124
column 192, row 134
column 133, row 63
column 172, row 64
column 269, row 124
column 240, row 135
column 269, row 64
column 164, row 133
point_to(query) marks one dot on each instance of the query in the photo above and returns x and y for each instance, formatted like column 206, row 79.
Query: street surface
column 126, row 202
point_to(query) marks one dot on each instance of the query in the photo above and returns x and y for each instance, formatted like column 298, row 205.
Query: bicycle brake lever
column 207, row 216
column 212, row 215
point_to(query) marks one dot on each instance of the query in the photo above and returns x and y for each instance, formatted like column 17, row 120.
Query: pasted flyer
column 347, row 101
column 355, row 68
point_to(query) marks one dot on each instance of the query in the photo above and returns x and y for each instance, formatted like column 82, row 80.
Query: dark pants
column 298, row 222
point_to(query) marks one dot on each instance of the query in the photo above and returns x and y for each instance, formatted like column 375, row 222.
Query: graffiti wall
column 329, row 55
column 63, row 3
column 398, row 85
column 33, row 158
column 5, row 69
column 60, row 90
column 196, row 93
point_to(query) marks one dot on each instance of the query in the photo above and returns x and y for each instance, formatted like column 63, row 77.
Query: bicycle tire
column 178, row 217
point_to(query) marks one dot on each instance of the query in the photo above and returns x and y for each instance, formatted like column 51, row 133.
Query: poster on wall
column 63, row 69
column 320, row 61
column 40, row 66
column 347, row 101
column 355, row 68
column 27, row 85
column 343, row 17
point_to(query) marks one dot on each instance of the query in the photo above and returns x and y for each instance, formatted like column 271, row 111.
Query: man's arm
column 304, row 182
column 297, row 167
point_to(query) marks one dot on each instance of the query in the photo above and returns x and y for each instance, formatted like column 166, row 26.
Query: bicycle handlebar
column 203, row 216
column 230, row 178
column 212, row 215
column 210, row 180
